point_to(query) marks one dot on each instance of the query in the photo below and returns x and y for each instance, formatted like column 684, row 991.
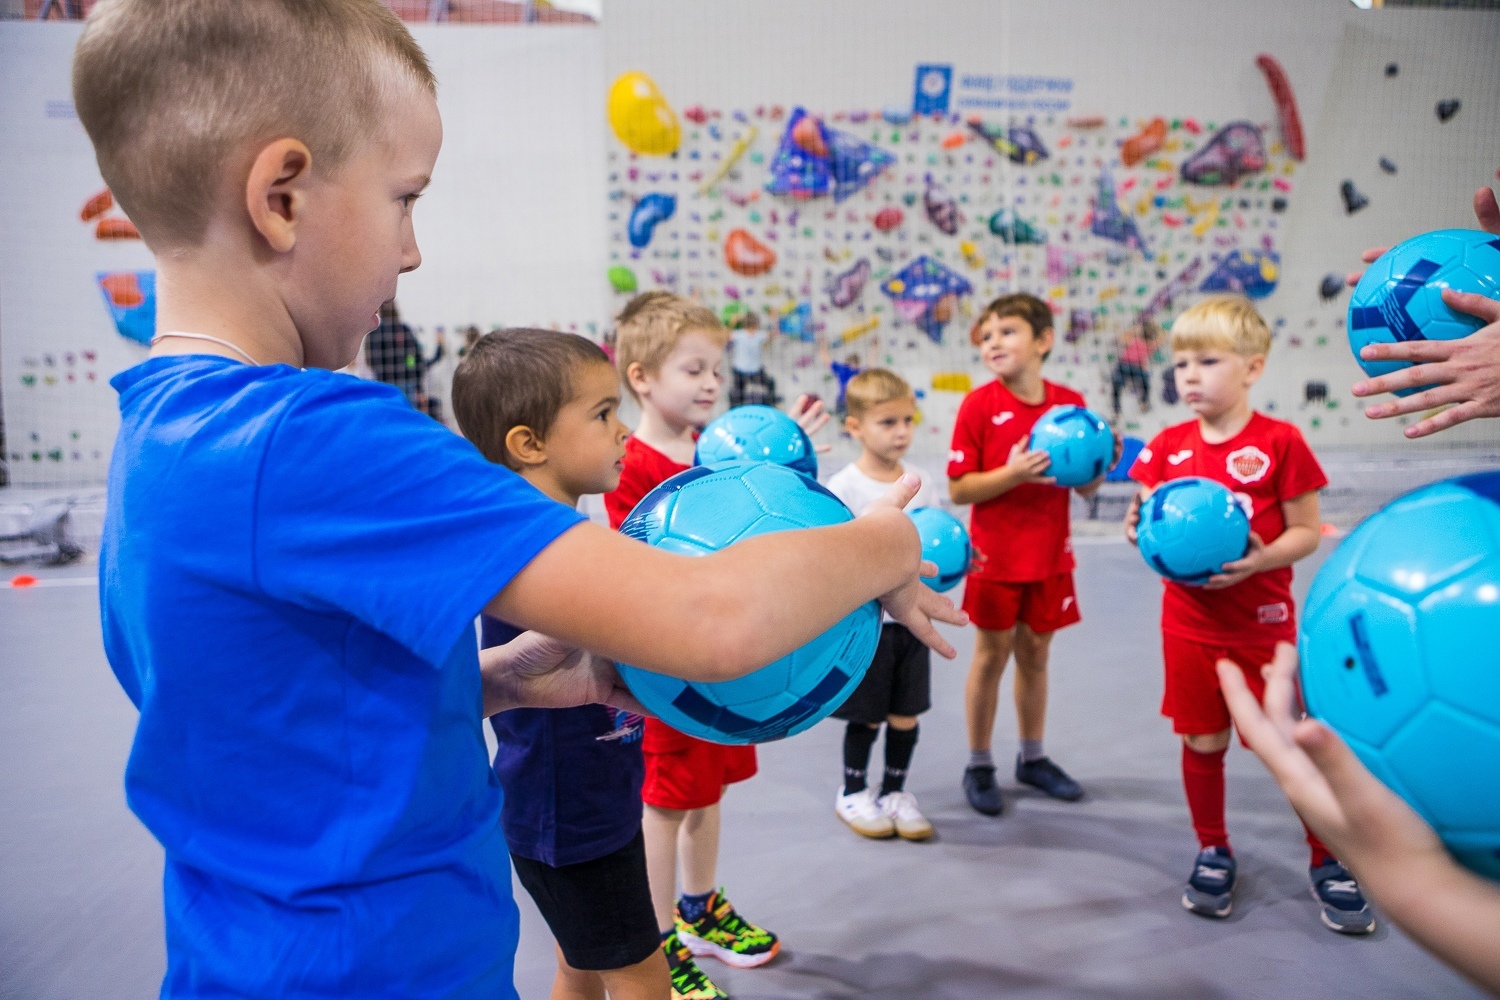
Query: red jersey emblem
column 1248, row 464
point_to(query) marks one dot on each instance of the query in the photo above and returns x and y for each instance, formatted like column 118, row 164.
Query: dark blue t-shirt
column 572, row 776
column 291, row 566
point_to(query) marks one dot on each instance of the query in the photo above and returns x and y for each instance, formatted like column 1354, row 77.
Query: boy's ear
column 1255, row 367
column 1045, row 337
column 525, row 447
column 851, row 424
column 635, row 377
column 276, row 191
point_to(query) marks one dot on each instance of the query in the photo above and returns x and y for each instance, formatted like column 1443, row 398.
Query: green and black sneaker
column 727, row 936
column 688, row 981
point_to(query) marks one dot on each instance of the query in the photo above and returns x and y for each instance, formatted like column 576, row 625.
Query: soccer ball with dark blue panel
column 757, row 433
column 1400, row 656
column 1400, row 298
column 1190, row 528
column 703, row 510
column 945, row 544
column 1079, row 442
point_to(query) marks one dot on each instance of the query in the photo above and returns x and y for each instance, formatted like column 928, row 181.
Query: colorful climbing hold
column 650, row 210
column 1447, row 109
column 641, row 117
column 1235, row 151
column 942, row 208
column 1354, row 200
column 1286, row 105
column 746, row 255
column 1145, row 142
column 622, row 279
column 888, row 218
column 844, row 289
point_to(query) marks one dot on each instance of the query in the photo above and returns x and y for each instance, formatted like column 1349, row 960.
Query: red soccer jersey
column 644, row 470
column 1023, row 532
column 1263, row 465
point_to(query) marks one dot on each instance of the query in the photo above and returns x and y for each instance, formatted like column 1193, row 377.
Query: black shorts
column 899, row 681
column 599, row 911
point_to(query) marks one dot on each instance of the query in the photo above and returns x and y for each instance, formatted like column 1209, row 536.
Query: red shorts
column 684, row 772
column 1041, row 605
column 1192, row 699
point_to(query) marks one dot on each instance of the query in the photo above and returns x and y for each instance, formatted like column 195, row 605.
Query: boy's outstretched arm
column 1398, row 860
column 720, row 616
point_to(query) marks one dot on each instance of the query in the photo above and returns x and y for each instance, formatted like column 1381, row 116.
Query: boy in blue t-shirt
column 545, row 405
column 293, row 559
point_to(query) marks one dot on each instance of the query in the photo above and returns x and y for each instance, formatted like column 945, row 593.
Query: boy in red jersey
column 1020, row 590
column 670, row 351
column 1219, row 350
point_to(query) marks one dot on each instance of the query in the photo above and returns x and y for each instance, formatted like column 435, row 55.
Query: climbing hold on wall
column 650, row 210
column 1252, row 273
column 1086, row 121
column 1331, row 287
column 917, row 291
column 809, row 136
column 953, row 140
column 952, row 382
column 888, row 218
column 941, row 207
column 859, row 330
column 641, row 117
column 1387, row 164
column 1235, row 151
column 844, row 289
column 1286, row 105
column 97, row 206
column 695, row 114
column 743, row 143
column 970, row 251
column 746, row 255
column 1145, row 142
column 1109, row 220
column 1012, row 229
column 895, row 115
column 1447, row 109
column 622, row 279
column 130, row 297
column 1018, row 143
column 1391, row 69
column 847, row 166
column 1353, row 199
column 798, row 322
column 1278, row 204
column 116, row 229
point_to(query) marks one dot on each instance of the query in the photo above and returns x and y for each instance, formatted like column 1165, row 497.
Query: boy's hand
column 1252, row 562
column 913, row 604
column 1361, row 820
column 1133, row 514
column 1029, row 466
column 537, row 671
column 812, row 416
column 1464, row 373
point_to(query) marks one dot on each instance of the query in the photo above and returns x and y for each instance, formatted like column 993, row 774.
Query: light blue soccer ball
column 758, row 433
column 1190, row 528
column 944, row 543
column 703, row 510
column 1081, row 444
column 1400, row 647
column 1400, row 297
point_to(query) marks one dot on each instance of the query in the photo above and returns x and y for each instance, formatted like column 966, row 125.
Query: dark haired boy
column 546, row 405
column 1020, row 590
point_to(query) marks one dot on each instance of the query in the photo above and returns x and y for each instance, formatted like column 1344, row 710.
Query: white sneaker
column 902, row 809
column 863, row 815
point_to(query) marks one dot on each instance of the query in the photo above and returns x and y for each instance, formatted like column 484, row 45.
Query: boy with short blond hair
column 1219, row 349
column 882, row 412
column 545, row 404
column 310, row 751
column 1020, row 590
column 670, row 351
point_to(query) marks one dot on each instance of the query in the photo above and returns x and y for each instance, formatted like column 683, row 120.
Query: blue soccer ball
column 1401, row 296
column 1400, row 656
column 1190, row 528
column 1081, row 444
column 944, row 543
column 757, row 433
column 701, row 511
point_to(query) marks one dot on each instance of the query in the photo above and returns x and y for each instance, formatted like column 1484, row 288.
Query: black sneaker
column 1042, row 773
column 1344, row 906
column 982, row 792
column 1210, row 889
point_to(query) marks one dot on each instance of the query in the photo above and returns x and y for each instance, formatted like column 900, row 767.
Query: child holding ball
column 1219, row 349
column 881, row 412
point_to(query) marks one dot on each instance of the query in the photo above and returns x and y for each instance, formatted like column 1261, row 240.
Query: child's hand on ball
column 1029, row 466
column 1133, row 514
column 1252, row 562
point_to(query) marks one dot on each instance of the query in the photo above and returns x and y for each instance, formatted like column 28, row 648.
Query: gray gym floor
column 1050, row 900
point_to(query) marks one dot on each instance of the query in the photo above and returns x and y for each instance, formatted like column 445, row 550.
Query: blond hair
column 651, row 324
column 1224, row 323
column 872, row 387
column 173, row 92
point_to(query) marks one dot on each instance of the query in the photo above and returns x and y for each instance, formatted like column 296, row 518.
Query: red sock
column 1320, row 854
column 1203, row 780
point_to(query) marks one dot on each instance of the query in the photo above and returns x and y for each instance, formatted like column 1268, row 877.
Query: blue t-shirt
column 291, row 566
column 572, row 776
column 843, row 373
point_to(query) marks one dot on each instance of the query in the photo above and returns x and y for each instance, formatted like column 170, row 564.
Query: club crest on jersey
column 1248, row 464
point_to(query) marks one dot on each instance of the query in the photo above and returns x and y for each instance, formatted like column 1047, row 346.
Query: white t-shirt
column 745, row 347
column 857, row 490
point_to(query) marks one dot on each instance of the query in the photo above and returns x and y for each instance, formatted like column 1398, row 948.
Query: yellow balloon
column 641, row 116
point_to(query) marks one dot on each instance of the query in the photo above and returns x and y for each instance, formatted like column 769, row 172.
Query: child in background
column 545, row 405
column 669, row 351
column 896, row 688
column 310, row 749
column 747, row 341
column 1020, row 590
column 1132, row 367
column 842, row 370
column 1219, row 349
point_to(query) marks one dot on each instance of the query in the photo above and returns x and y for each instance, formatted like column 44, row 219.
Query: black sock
column 858, row 738
column 899, row 744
